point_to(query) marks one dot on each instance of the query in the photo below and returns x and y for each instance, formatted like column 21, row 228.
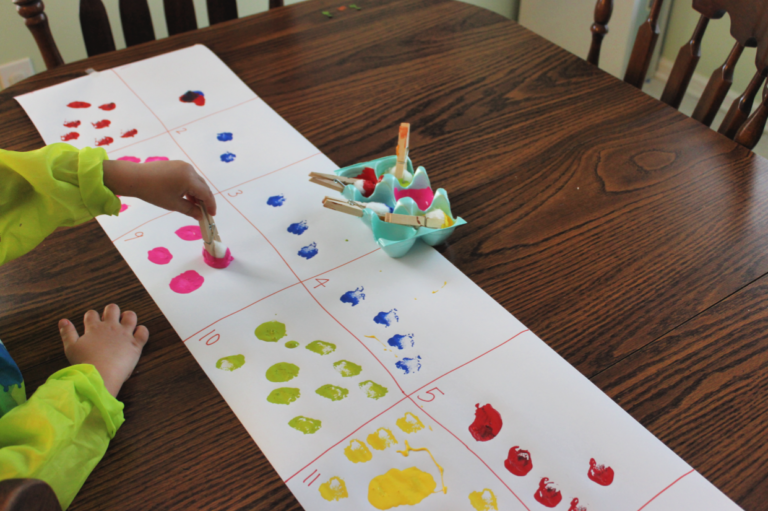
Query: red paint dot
column 73, row 124
column 108, row 106
column 487, row 423
column 70, row 136
column 123, row 207
column 104, row 141
column 190, row 233
column 600, row 474
column 518, row 461
column 79, row 104
column 129, row 134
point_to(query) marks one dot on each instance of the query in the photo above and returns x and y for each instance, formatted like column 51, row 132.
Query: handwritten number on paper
column 321, row 283
column 212, row 338
column 138, row 235
column 236, row 193
column 430, row 392
column 182, row 130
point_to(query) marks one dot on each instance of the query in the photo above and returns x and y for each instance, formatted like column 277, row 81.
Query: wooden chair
column 749, row 27
column 27, row 495
column 134, row 17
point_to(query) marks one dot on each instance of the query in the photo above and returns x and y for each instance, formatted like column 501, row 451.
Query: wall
column 715, row 47
column 16, row 42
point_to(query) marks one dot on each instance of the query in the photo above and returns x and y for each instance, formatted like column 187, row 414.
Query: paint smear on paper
column 409, row 365
column 547, row 494
column 305, row 424
column 230, row 363
column 123, row 207
column 409, row 423
column 270, row 331
column 160, row 255
column 346, row 368
column 357, row 452
column 575, row 506
column 381, row 439
column 309, row 251
column 73, row 135
column 298, row 228
column 333, row 489
column 224, row 137
column 108, row 106
column 129, row 158
column 276, row 201
column 401, row 341
column 400, row 488
column 129, row 134
column 483, row 500
column 600, row 474
column 519, row 461
column 193, row 96
column 373, row 390
column 101, row 124
column 291, row 344
column 386, row 348
column 79, row 104
column 189, row 233
column 387, row 318
column 156, row 158
column 353, row 297
column 104, row 141
column 187, row 282
column 321, row 347
column 444, row 284
column 72, row 124
column 282, row 372
column 487, row 423
column 228, row 157
column 284, row 396
column 332, row 392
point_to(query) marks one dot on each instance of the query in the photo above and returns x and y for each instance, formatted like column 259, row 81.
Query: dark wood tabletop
column 630, row 238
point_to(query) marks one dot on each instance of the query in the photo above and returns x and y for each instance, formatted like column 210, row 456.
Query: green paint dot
column 347, row 368
column 271, row 331
column 305, row 424
column 231, row 362
column 332, row 392
column 291, row 344
column 321, row 347
column 282, row 371
column 373, row 390
column 283, row 396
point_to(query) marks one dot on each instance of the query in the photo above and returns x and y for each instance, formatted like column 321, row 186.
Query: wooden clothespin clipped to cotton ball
column 215, row 253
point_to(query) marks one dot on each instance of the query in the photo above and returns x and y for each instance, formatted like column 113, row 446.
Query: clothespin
column 331, row 181
column 349, row 207
column 208, row 229
column 403, row 138
column 413, row 221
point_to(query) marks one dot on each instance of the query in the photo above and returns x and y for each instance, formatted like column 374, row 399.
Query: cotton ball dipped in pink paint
column 221, row 257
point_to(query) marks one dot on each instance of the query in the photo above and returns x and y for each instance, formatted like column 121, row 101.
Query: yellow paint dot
column 381, row 439
column 400, row 488
column 333, row 489
column 409, row 423
column 483, row 500
column 357, row 452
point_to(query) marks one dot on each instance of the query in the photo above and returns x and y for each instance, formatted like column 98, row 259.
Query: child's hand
column 172, row 185
column 111, row 343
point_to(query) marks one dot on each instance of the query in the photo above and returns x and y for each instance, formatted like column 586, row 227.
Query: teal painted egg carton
column 396, row 240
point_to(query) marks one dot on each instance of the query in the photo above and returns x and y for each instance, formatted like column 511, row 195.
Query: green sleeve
column 55, row 186
column 62, row 432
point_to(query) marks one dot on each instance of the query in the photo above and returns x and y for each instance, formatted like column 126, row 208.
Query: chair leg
column 33, row 12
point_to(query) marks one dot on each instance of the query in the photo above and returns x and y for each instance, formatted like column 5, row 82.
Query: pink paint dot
column 160, row 255
column 123, row 207
column 155, row 158
column 187, row 282
column 129, row 158
column 190, row 233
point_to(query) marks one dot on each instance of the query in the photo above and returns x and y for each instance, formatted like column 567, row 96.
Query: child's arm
column 62, row 432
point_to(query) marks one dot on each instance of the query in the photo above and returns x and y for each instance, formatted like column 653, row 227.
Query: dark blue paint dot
column 224, row 137
column 298, row 228
column 228, row 157
column 276, row 201
column 309, row 251
column 387, row 318
column 401, row 341
column 353, row 297
column 409, row 365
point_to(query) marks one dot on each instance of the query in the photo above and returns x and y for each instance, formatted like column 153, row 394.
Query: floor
column 655, row 88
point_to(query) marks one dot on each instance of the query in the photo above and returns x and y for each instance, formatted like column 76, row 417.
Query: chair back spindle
column 603, row 12
column 33, row 12
column 98, row 34
column 741, row 108
column 717, row 88
column 642, row 51
column 136, row 22
column 179, row 16
column 685, row 65
column 222, row 10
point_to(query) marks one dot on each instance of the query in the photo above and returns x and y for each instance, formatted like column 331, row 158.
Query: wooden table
column 629, row 237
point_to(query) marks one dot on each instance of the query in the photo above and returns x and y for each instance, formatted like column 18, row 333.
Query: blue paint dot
column 401, row 341
column 276, row 201
column 409, row 365
column 298, row 228
column 353, row 297
column 387, row 318
column 228, row 157
column 309, row 251
column 199, row 92
column 224, row 137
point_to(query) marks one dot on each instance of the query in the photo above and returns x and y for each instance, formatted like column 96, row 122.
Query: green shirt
column 63, row 430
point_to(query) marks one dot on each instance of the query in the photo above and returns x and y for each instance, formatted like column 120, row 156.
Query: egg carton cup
column 397, row 240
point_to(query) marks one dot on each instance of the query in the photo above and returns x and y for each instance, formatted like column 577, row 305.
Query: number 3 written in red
column 431, row 393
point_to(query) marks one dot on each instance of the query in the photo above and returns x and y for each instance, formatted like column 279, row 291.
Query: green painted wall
column 715, row 48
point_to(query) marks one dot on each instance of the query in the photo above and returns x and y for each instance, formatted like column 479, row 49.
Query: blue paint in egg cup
column 396, row 240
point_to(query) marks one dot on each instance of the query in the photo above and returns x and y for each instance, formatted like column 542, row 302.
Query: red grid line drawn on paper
column 342, row 440
column 133, row 144
column 339, row 266
column 667, row 488
column 142, row 225
column 213, row 113
column 272, row 172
